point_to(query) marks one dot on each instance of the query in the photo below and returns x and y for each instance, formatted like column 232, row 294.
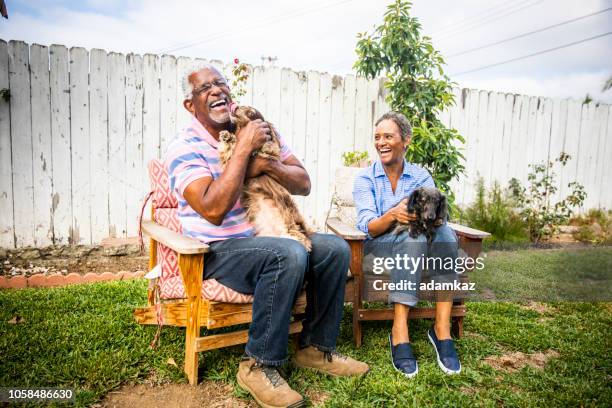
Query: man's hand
column 259, row 165
column 253, row 135
column 400, row 212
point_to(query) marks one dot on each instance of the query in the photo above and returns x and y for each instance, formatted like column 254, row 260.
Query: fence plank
column 312, row 141
column 362, row 114
column 286, row 107
column 79, row 130
column 183, row 117
column 21, row 142
column 133, row 141
column 568, row 173
column 322, row 163
column 60, row 147
column 605, row 192
column 373, row 112
column 151, row 137
column 600, row 164
column 496, row 142
column 7, row 230
column 98, row 131
column 168, row 103
column 259, row 89
column 300, row 97
column 273, row 95
column 348, row 112
column 41, row 145
column 582, row 156
column 340, row 139
column 593, row 143
column 117, row 194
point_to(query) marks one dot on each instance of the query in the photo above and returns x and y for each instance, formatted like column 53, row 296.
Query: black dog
column 429, row 206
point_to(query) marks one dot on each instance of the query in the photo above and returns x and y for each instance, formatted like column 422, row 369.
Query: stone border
column 57, row 279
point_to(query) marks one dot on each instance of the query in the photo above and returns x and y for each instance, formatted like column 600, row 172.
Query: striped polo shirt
column 192, row 155
column 373, row 195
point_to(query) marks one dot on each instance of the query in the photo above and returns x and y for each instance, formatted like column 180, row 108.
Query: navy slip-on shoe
column 447, row 355
column 403, row 359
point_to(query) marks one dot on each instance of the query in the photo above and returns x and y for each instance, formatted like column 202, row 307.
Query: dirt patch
column 96, row 262
column 541, row 308
column 515, row 361
column 317, row 397
column 208, row 394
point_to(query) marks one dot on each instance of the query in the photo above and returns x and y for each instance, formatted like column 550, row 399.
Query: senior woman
column 380, row 193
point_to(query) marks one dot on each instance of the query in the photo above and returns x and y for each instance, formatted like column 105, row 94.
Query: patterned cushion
column 160, row 185
column 170, row 282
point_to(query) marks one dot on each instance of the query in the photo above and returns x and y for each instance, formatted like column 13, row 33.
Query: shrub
column 493, row 212
column 537, row 211
column 354, row 159
column 595, row 227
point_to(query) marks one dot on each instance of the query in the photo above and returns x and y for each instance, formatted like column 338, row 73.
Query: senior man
column 272, row 269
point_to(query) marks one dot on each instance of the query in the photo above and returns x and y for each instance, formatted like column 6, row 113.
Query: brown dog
column 269, row 206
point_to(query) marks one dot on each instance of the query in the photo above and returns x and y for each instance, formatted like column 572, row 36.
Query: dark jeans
column 389, row 245
column 274, row 271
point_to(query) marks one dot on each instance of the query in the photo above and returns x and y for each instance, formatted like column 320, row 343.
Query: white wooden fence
column 77, row 129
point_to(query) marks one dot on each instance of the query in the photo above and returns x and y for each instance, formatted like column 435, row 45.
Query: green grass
column 583, row 274
column 84, row 337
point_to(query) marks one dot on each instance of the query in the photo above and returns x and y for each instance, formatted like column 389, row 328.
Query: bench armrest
column 173, row 240
column 347, row 232
column 468, row 232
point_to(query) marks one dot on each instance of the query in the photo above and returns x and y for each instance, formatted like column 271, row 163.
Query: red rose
column 236, row 60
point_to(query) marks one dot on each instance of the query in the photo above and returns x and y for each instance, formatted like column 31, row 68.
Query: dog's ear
column 413, row 199
column 441, row 211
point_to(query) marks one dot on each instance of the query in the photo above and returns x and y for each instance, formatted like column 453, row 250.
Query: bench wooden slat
column 174, row 240
column 348, row 232
column 468, row 232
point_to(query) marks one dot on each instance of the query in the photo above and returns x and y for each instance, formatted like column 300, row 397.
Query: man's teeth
column 218, row 103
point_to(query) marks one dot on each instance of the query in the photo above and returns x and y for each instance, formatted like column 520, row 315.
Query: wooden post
column 192, row 269
column 152, row 262
column 355, row 266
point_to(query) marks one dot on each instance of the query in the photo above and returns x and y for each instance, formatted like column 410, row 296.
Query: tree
column 417, row 87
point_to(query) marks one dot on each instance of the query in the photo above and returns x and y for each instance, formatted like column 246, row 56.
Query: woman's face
column 389, row 143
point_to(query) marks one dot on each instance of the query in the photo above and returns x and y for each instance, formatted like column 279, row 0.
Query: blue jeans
column 274, row 271
column 390, row 245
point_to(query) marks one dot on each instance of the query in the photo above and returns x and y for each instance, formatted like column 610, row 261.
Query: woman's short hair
column 400, row 120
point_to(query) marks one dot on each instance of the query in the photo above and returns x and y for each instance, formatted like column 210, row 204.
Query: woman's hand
column 397, row 214
column 400, row 213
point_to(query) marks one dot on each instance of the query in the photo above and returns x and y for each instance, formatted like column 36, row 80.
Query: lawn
column 84, row 337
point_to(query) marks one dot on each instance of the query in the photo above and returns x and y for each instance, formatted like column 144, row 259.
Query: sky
column 321, row 35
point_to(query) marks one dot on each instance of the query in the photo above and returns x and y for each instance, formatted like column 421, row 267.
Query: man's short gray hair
column 197, row 67
column 400, row 120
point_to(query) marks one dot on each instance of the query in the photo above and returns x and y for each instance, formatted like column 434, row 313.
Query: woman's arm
column 382, row 224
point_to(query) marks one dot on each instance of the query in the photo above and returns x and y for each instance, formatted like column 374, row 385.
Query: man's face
column 210, row 102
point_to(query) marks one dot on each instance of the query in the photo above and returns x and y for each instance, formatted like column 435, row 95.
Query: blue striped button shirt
column 374, row 196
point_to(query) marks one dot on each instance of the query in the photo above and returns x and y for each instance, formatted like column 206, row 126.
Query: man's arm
column 289, row 173
column 213, row 199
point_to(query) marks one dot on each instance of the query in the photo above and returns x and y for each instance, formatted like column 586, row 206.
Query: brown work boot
column 267, row 386
column 329, row 362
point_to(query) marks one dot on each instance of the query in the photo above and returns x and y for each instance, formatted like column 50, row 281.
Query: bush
column 595, row 227
column 355, row 159
column 493, row 212
column 541, row 216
